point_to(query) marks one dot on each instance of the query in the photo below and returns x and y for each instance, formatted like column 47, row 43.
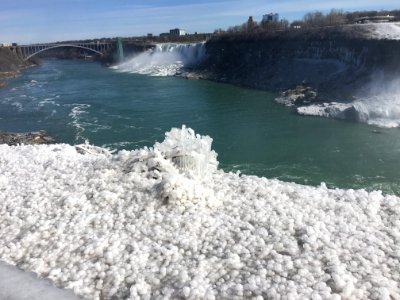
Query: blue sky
column 31, row 21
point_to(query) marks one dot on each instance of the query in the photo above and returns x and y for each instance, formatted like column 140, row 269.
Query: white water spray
column 382, row 106
column 164, row 59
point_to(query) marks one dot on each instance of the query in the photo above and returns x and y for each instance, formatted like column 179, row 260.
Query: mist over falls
column 164, row 59
column 381, row 104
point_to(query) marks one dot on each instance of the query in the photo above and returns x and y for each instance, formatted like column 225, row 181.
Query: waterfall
column 164, row 59
column 380, row 104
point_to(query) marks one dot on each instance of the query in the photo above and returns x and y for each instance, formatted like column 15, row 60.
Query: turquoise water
column 78, row 101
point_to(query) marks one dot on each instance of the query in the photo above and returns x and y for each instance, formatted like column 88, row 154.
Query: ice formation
column 141, row 225
column 329, row 110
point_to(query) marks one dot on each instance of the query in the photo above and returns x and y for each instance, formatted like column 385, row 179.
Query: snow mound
column 100, row 224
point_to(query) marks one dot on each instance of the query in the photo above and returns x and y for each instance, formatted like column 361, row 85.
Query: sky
column 35, row 21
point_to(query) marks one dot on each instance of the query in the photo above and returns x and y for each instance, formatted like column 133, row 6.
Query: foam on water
column 164, row 59
column 140, row 225
column 76, row 114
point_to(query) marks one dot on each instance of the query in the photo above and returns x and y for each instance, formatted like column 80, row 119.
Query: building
column 177, row 32
column 271, row 17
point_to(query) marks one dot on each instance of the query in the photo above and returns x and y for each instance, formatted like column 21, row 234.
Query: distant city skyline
column 27, row 21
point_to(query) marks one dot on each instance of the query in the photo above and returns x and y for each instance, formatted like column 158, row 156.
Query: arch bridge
column 28, row 51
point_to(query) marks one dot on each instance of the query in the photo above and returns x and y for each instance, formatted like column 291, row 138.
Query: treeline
column 338, row 17
column 252, row 26
column 314, row 19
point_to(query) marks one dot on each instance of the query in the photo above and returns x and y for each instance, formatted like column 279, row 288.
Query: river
column 77, row 101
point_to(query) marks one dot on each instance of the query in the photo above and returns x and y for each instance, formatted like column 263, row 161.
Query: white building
column 177, row 32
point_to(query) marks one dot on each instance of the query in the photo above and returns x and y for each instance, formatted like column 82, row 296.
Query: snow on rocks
column 329, row 110
column 100, row 224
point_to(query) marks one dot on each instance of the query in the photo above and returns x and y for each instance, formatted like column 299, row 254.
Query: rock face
column 336, row 63
column 11, row 64
column 30, row 138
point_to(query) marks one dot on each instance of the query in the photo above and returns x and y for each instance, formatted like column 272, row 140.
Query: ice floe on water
column 165, row 223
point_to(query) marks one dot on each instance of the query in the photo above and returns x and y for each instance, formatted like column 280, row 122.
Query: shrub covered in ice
column 186, row 161
column 191, row 153
column 98, row 224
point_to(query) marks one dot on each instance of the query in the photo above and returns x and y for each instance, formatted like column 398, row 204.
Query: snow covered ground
column 165, row 223
column 390, row 31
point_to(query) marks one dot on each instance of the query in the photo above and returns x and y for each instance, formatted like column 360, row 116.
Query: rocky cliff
column 337, row 62
column 11, row 64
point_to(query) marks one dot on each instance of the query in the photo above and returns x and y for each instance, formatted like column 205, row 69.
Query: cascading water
column 164, row 59
column 382, row 112
column 382, row 106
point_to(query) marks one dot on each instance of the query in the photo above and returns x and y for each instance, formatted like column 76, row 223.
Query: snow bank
column 140, row 225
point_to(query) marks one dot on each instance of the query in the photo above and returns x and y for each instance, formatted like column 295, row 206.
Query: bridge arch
column 62, row 45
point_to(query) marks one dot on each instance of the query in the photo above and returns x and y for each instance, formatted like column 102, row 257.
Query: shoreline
column 27, row 138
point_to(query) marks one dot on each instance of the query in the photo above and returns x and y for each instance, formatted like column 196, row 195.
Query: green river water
column 77, row 101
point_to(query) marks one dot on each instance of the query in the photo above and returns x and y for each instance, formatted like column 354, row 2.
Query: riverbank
column 11, row 65
column 29, row 138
